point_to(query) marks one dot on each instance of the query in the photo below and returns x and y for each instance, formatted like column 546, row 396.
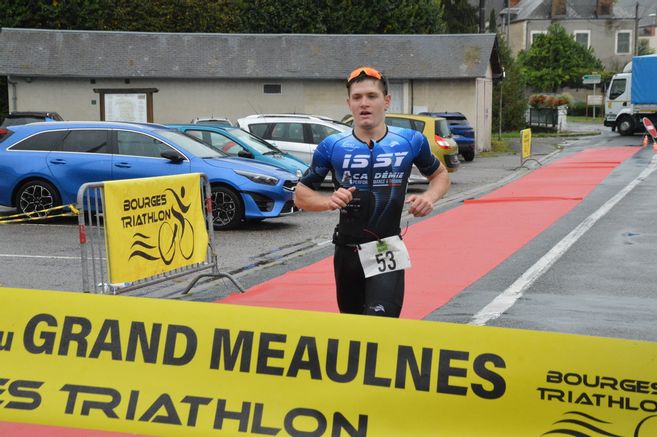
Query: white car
column 213, row 121
column 296, row 134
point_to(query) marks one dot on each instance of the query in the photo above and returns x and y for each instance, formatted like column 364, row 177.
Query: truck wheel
column 626, row 125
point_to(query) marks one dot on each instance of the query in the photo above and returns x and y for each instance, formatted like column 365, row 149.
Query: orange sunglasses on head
column 367, row 71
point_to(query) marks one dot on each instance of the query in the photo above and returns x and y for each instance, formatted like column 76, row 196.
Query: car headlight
column 257, row 177
column 299, row 173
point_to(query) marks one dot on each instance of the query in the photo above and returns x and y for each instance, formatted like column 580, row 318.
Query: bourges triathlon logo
column 175, row 233
column 578, row 424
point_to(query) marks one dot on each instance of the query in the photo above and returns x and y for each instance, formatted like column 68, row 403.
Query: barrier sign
column 526, row 139
column 650, row 128
column 164, row 367
column 154, row 226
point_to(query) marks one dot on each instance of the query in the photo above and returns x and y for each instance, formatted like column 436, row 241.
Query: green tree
column 492, row 21
column 460, row 17
column 343, row 16
column 644, row 48
column 512, row 90
column 229, row 16
column 556, row 60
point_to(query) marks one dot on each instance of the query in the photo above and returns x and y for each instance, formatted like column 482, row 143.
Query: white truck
column 632, row 95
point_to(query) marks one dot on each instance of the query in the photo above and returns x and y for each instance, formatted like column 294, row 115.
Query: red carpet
column 452, row 250
column 28, row 430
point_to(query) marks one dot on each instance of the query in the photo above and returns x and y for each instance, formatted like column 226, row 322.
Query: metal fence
column 544, row 117
column 95, row 256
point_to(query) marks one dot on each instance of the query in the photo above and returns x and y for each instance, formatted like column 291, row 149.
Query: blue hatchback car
column 43, row 165
column 237, row 142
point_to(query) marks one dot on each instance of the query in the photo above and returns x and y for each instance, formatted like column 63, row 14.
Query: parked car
column 43, row 165
column 296, row 134
column 433, row 129
column 237, row 142
column 15, row 118
column 462, row 132
column 213, row 121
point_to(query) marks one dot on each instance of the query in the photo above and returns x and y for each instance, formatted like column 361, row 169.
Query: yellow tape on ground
column 30, row 216
column 164, row 367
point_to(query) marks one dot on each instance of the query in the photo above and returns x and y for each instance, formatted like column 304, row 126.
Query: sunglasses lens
column 367, row 71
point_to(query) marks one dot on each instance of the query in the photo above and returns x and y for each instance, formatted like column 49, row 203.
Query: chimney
column 604, row 7
column 513, row 3
column 559, row 8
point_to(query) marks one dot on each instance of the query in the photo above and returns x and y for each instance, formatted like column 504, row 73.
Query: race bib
column 383, row 256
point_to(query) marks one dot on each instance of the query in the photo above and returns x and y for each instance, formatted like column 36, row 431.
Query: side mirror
column 245, row 154
column 172, row 156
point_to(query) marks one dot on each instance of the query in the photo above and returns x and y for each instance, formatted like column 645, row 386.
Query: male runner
column 370, row 167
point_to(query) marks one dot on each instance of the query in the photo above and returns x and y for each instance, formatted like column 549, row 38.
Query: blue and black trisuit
column 380, row 172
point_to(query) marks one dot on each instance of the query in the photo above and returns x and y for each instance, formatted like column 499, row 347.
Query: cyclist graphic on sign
column 174, row 236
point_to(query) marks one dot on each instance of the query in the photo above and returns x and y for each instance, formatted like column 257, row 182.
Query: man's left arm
column 422, row 204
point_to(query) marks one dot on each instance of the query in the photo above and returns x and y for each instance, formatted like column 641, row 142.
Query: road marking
column 10, row 255
column 508, row 297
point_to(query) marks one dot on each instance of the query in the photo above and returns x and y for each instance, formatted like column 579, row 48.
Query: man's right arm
column 310, row 200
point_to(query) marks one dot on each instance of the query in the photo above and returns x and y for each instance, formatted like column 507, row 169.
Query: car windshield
column 191, row 144
column 457, row 120
column 225, row 123
column 14, row 121
column 251, row 140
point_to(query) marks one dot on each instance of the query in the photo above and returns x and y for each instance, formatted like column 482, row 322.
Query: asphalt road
column 603, row 284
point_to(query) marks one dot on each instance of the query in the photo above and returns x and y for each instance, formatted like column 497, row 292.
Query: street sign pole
column 591, row 79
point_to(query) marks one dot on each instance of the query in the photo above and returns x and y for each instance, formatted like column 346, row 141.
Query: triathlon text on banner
column 154, row 225
column 163, row 367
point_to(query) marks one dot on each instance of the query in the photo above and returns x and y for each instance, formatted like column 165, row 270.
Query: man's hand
column 420, row 205
column 340, row 198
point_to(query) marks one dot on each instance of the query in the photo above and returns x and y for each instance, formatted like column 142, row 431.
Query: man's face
column 367, row 104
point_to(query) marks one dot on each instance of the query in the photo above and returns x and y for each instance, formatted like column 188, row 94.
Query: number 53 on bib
column 383, row 256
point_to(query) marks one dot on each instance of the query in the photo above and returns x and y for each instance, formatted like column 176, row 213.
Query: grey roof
column 579, row 9
column 100, row 54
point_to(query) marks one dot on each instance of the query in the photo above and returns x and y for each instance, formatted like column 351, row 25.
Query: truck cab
column 619, row 109
column 632, row 96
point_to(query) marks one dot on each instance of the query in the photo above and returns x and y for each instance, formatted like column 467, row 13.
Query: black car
column 462, row 132
column 25, row 117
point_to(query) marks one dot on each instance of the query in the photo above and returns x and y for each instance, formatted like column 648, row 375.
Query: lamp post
column 636, row 29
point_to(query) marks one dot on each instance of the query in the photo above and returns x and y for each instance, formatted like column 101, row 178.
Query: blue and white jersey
column 380, row 173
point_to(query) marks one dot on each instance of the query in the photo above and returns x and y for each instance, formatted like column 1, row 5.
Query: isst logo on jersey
column 356, row 167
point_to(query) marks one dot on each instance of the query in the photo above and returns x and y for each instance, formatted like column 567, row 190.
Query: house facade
column 609, row 27
column 168, row 77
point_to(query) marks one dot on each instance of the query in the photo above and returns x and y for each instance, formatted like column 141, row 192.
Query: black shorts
column 380, row 295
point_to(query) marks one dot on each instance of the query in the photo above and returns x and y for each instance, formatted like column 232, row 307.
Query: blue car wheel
column 227, row 208
column 35, row 196
column 468, row 153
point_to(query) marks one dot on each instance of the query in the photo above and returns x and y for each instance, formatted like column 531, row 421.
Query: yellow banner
column 526, row 136
column 161, row 367
column 154, row 225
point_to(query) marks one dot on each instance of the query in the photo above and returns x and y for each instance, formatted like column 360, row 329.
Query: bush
column 577, row 108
